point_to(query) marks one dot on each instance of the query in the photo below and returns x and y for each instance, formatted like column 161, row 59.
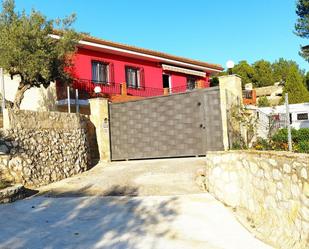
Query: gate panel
column 166, row 126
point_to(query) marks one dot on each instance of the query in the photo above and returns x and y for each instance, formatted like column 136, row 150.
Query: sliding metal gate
column 185, row 124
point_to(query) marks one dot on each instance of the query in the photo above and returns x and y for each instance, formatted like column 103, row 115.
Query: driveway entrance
column 150, row 204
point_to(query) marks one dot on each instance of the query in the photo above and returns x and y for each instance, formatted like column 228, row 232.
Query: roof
column 151, row 52
column 301, row 107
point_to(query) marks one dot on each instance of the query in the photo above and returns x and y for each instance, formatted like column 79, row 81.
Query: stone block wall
column 44, row 147
column 271, row 189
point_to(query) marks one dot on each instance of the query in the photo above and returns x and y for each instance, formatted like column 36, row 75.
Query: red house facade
column 119, row 69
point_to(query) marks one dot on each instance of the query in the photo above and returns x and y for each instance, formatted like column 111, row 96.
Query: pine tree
column 295, row 87
column 302, row 25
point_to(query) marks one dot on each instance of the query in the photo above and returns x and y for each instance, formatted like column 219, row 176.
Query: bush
column 262, row 144
column 303, row 147
column 300, row 139
column 239, row 145
column 263, row 102
column 281, row 136
column 301, row 135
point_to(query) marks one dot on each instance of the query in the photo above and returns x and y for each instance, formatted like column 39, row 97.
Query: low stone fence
column 44, row 147
column 271, row 189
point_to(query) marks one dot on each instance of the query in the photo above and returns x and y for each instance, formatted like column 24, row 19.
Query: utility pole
column 288, row 124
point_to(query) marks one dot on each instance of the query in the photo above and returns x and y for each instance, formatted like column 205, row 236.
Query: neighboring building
column 275, row 117
column 122, row 72
column 273, row 94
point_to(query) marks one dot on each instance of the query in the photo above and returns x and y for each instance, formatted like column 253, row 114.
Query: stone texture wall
column 12, row 193
column 44, row 147
column 271, row 189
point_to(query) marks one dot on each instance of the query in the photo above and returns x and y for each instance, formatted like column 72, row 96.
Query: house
column 275, row 117
column 132, row 72
column 272, row 93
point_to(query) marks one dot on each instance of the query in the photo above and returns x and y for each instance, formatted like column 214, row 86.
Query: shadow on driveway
column 86, row 222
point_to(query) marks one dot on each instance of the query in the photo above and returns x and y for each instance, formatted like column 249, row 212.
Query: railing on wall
column 86, row 90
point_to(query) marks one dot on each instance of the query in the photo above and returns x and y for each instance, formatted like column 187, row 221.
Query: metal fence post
column 288, row 121
column 69, row 99
column 76, row 101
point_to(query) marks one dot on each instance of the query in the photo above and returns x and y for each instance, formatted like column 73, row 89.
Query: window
column 190, row 83
column 302, row 116
column 133, row 77
column 100, row 72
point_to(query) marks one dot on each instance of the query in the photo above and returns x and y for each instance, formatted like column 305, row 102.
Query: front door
column 166, row 81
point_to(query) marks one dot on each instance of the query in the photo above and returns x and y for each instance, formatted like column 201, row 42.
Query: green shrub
column 281, row 136
column 263, row 102
column 303, row 147
column 239, row 145
column 262, row 144
column 300, row 139
column 301, row 135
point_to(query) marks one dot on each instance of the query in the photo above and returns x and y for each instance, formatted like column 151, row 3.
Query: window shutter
column 142, row 77
column 111, row 72
column 94, row 71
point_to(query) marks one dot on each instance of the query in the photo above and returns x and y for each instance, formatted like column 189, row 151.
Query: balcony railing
column 86, row 90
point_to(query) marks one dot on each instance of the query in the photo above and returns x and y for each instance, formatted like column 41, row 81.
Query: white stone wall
column 271, row 189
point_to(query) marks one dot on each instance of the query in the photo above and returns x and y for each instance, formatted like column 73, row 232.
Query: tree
column 302, row 24
column 307, row 80
column 295, row 87
column 263, row 74
column 281, row 69
column 245, row 71
column 214, row 81
column 27, row 50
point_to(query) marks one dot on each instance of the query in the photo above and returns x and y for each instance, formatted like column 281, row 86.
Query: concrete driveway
column 134, row 178
column 167, row 211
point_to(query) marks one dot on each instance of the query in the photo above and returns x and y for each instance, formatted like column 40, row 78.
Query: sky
column 207, row 30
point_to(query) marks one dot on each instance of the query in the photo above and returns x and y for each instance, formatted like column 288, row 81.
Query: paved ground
column 170, row 216
column 144, row 177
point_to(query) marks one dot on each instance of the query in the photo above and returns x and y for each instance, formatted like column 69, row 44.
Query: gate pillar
column 230, row 94
column 100, row 119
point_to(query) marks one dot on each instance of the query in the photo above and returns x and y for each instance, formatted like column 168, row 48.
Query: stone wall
column 44, row 147
column 271, row 189
column 12, row 193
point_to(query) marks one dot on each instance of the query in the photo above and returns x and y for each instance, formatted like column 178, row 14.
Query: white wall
column 35, row 99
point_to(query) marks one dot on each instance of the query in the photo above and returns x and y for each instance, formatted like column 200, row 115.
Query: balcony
column 85, row 90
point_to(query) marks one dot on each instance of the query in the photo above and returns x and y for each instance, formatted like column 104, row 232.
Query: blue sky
column 208, row 30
